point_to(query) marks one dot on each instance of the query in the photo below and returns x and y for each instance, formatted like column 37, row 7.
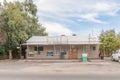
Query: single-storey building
column 61, row 47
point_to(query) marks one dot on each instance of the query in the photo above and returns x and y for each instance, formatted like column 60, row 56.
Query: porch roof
column 61, row 40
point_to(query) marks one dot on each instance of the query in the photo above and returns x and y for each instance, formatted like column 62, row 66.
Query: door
column 73, row 53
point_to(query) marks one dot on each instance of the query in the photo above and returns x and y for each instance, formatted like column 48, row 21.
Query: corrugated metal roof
column 50, row 40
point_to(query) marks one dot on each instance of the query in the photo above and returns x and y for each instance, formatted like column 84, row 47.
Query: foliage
column 110, row 41
column 3, row 37
column 20, row 22
column 2, row 49
column 118, row 41
column 2, row 52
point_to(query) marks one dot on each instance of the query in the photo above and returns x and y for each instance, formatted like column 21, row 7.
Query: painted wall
column 57, row 52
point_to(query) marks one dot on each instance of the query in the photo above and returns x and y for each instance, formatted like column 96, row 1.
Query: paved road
column 55, row 76
column 20, row 70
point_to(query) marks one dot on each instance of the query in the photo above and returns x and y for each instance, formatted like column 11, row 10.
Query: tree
column 20, row 22
column 3, row 37
column 30, row 7
column 109, row 40
column 118, row 41
column 2, row 52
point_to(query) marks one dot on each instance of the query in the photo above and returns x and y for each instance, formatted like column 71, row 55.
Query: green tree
column 109, row 40
column 20, row 22
column 118, row 41
column 3, row 37
column 30, row 7
column 2, row 52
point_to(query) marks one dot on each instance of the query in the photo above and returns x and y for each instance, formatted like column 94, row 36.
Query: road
column 55, row 76
column 20, row 70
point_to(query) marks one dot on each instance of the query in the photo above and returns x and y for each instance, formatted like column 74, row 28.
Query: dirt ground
column 35, row 67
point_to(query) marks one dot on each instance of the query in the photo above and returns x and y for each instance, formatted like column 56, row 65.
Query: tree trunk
column 10, row 54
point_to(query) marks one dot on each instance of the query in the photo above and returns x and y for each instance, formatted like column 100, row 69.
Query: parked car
column 116, row 55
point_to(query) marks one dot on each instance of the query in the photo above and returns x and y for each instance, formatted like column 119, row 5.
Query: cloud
column 59, row 15
column 56, row 29
column 91, row 17
column 84, row 10
column 71, row 12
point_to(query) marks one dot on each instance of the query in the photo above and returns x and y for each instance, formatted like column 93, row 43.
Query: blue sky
column 81, row 17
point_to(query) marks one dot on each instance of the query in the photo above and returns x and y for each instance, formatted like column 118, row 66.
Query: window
column 38, row 48
column 49, row 53
column 35, row 48
column 93, row 48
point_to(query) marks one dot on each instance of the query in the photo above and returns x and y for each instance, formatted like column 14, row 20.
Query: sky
column 80, row 17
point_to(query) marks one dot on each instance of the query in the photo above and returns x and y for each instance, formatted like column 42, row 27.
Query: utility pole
column 89, row 45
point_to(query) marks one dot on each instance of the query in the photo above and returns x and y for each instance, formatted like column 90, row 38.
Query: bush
column 2, row 52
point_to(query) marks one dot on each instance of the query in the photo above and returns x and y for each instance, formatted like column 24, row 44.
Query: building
column 61, row 47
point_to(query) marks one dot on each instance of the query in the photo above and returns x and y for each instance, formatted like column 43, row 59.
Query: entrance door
column 73, row 53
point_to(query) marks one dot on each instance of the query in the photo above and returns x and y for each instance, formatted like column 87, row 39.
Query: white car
column 116, row 55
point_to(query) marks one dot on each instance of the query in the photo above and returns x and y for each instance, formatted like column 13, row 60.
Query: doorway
column 73, row 53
